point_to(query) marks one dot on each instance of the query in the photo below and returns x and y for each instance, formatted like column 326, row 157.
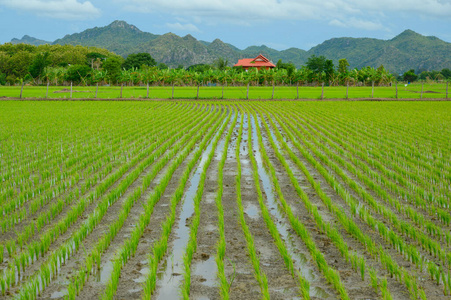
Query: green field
column 225, row 200
column 412, row 91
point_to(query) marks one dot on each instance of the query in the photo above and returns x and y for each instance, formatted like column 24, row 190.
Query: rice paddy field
column 225, row 200
column 401, row 91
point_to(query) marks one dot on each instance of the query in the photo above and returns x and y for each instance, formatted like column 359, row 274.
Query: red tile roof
column 259, row 61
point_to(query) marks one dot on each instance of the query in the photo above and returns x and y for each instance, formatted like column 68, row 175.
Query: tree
column 2, row 78
column 446, row 73
column 97, row 77
column 93, row 59
column 162, row 66
column 410, row 76
column 290, row 67
column 343, row 65
column 200, row 68
column 112, row 66
column 20, row 63
column 137, row 60
column 220, row 63
column 423, row 75
column 77, row 73
column 320, row 65
column 40, row 62
column 316, row 63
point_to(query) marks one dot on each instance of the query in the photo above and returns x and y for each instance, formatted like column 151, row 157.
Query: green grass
column 239, row 92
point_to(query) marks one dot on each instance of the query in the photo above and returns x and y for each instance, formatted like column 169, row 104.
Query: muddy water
column 299, row 259
column 207, row 269
column 172, row 275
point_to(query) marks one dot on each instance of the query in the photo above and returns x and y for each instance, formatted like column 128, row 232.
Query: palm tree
column 345, row 77
column 301, row 76
column 97, row 77
column 198, row 80
column 321, row 78
column 374, row 76
column 223, row 77
column 221, row 63
column 172, row 77
column 48, row 74
column 150, row 76
column 23, row 81
column 248, row 77
column 125, row 76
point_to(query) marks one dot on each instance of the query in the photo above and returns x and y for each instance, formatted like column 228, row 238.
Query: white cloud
column 427, row 8
column 182, row 27
column 58, row 9
column 357, row 23
column 327, row 10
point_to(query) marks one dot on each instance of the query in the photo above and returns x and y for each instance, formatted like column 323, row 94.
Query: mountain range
column 408, row 50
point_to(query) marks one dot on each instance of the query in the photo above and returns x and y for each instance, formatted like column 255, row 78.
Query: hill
column 26, row 39
column 408, row 50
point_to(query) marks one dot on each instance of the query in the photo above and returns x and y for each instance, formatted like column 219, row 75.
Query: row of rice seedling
column 179, row 150
column 403, row 227
column 429, row 227
column 159, row 247
column 331, row 275
column 85, row 169
column 45, row 218
column 304, row 286
column 414, row 169
column 68, row 246
column 95, row 217
column 102, row 245
column 438, row 272
column 192, row 242
column 224, row 285
column 128, row 248
column 62, row 172
column 357, row 262
column 35, row 143
column 19, row 193
column 378, row 252
column 381, row 199
column 259, row 274
column 381, row 181
column 56, row 154
column 406, row 171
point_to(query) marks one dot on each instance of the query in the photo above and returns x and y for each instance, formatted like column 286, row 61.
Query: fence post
column 447, row 90
column 396, row 85
column 297, row 90
column 322, row 91
column 372, row 89
column 347, row 90
column 422, row 87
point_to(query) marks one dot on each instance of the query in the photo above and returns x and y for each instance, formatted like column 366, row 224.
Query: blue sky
column 279, row 24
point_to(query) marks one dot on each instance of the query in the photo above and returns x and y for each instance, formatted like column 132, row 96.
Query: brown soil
column 73, row 91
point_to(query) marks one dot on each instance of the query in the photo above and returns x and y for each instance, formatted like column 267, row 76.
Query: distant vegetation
column 55, row 65
column 408, row 50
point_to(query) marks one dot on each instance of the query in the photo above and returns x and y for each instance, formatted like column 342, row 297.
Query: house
column 260, row 62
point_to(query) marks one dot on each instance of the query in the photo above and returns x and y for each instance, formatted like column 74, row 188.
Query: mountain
column 408, row 50
column 119, row 37
column 26, row 39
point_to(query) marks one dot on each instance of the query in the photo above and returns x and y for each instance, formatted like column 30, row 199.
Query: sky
column 279, row 24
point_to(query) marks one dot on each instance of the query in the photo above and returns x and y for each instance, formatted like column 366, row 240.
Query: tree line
column 67, row 64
